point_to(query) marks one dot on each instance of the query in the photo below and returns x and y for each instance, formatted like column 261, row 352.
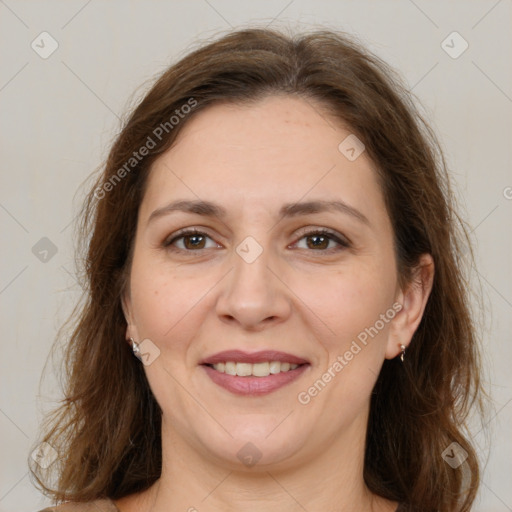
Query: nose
column 253, row 296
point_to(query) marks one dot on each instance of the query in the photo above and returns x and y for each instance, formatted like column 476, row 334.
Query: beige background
column 59, row 114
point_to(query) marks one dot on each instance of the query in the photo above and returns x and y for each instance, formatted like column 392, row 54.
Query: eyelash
column 342, row 243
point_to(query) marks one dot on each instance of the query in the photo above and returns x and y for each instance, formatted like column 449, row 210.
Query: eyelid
column 181, row 233
column 334, row 235
column 337, row 237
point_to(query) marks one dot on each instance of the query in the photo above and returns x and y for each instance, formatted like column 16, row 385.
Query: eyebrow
column 209, row 209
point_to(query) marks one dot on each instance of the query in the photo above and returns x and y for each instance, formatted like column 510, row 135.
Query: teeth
column 243, row 369
column 275, row 367
column 230, row 368
column 255, row 370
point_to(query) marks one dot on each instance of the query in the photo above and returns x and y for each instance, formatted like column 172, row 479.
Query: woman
column 274, row 238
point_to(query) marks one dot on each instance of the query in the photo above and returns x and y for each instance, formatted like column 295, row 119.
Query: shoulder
column 90, row 506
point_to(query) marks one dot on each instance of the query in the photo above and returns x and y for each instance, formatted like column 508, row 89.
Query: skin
column 302, row 295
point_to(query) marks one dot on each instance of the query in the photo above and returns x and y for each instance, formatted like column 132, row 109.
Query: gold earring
column 402, row 354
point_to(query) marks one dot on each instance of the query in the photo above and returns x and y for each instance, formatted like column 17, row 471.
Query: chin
column 252, row 447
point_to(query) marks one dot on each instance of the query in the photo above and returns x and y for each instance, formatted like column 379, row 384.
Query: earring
column 402, row 354
column 135, row 348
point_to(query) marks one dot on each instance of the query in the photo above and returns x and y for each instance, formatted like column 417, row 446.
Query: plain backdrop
column 60, row 112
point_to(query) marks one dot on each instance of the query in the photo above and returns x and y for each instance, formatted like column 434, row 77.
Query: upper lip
column 239, row 356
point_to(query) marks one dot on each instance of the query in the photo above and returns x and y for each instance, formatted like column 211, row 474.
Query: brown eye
column 194, row 241
column 189, row 241
column 322, row 241
column 317, row 241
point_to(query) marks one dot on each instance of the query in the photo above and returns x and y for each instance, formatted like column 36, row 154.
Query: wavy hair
column 107, row 428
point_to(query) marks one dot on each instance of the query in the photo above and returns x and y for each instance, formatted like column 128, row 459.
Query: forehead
column 279, row 149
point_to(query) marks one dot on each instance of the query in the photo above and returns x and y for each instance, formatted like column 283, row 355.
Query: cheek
column 169, row 305
column 353, row 334
column 160, row 299
column 349, row 300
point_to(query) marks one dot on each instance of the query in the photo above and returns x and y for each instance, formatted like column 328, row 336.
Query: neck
column 332, row 480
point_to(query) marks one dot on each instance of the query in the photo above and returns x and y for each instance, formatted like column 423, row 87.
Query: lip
column 239, row 356
column 254, row 386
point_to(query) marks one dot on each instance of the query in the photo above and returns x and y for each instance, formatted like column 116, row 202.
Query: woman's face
column 259, row 184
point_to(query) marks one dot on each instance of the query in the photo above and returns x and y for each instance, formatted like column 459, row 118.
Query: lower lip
column 254, row 385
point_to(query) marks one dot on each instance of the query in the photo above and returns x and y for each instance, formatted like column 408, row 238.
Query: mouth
column 253, row 370
column 253, row 374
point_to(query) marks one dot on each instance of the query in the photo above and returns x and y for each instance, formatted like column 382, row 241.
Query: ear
column 413, row 300
column 126, row 304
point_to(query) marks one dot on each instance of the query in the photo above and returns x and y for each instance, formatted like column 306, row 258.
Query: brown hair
column 107, row 430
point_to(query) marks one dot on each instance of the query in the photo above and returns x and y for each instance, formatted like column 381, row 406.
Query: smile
column 250, row 384
column 256, row 370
